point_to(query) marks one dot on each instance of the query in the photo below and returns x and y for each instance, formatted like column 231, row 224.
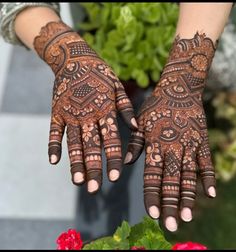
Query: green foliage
column 147, row 234
column 223, row 138
column 133, row 38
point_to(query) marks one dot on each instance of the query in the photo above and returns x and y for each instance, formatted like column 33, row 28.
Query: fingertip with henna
column 134, row 123
column 114, row 175
column 212, row 191
column 128, row 158
column 154, row 212
column 171, row 224
column 186, row 214
column 93, row 186
column 53, row 159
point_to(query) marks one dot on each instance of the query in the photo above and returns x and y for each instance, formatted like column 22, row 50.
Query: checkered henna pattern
column 173, row 129
column 86, row 97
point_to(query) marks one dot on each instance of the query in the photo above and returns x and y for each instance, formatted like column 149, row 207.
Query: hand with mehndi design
column 86, row 97
column 173, row 129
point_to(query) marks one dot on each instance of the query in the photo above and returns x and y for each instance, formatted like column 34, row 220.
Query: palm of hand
column 85, row 98
column 84, row 91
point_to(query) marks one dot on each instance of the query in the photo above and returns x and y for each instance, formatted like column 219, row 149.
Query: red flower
column 138, row 248
column 70, row 240
column 189, row 246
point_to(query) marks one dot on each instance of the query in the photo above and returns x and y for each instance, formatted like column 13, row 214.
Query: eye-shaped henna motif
column 86, row 97
column 172, row 126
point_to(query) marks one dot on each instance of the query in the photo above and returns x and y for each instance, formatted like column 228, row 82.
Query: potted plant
column 145, row 235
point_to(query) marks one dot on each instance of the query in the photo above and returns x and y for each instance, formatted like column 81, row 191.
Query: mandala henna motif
column 86, row 97
column 172, row 124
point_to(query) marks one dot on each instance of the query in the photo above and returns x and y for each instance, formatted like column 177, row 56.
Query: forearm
column 29, row 22
column 208, row 18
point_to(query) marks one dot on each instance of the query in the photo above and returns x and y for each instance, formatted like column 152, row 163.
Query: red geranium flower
column 137, row 248
column 70, row 240
column 189, row 246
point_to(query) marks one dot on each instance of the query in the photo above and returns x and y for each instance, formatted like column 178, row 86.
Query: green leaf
column 126, row 14
column 93, row 11
column 105, row 15
column 110, row 54
column 100, row 39
column 151, row 241
column 148, row 234
column 151, row 13
column 139, row 30
column 156, row 63
column 144, row 47
column 89, row 38
column 115, row 13
column 125, row 73
column 169, row 13
column 122, row 232
column 114, row 38
column 100, row 244
column 85, row 26
column 155, row 75
column 141, row 77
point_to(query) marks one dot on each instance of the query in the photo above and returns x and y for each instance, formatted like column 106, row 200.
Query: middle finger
column 92, row 156
column 170, row 186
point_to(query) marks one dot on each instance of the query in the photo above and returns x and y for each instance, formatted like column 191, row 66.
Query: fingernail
column 128, row 158
column 92, row 186
column 114, row 175
column 134, row 123
column 53, row 159
column 171, row 224
column 186, row 214
column 212, row 191
column 78, row 177
column 154, row 212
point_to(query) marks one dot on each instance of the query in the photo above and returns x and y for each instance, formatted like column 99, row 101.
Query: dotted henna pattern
column 86, row 97
column 172, row 126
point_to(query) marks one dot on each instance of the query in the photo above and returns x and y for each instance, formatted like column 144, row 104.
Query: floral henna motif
column 86, row 97
column 172, row 122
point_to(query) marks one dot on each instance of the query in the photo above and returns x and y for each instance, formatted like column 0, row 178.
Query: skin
column 209, row 18
column 29, row 22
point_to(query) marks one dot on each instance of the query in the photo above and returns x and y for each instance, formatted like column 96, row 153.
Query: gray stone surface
column 5, row 52
column 24, row 234
column 30, row 187
column 28, row 85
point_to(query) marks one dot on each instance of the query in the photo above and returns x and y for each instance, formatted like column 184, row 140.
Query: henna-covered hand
column 86, row 97
column 173, row 128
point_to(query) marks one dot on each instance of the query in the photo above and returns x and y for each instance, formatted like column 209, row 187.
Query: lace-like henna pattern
column 172, row 124
column 86, row 97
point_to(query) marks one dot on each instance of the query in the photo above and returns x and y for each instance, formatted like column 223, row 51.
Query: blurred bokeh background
column 38, row 201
